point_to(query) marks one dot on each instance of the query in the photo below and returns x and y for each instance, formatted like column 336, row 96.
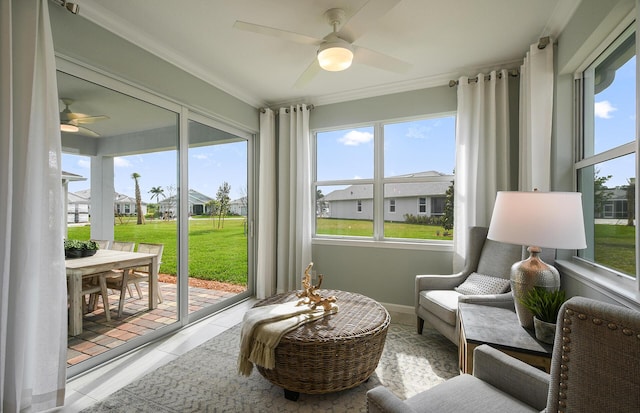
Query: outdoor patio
column 98, row 335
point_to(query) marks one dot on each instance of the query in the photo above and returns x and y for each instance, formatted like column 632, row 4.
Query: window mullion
column 378, row 184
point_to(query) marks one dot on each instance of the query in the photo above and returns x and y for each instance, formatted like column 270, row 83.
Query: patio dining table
column 103, row 261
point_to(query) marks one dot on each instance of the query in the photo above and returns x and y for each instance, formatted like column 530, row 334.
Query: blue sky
column 615, row 123
column 209, row 167
column 415, row 146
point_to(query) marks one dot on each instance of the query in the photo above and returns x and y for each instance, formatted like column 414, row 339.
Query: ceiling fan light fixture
column 65, row 127
column 335, row 56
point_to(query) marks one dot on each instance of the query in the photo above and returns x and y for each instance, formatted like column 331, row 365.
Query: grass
column 221, row 254
column 214, row 254
column 616, row 247
column 363, row 228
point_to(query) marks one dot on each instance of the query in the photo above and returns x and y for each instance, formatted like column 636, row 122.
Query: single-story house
column 400, row 199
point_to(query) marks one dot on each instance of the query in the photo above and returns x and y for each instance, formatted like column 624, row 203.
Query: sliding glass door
column 218, row 216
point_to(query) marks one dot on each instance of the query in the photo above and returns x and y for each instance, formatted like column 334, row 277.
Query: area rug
column 206, row 380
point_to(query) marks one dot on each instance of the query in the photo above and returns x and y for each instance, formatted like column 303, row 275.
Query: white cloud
column 355, row 138
column 84, row 163
column 121, row 162
column 201, row 156
column 603, row 109
column 418, row 132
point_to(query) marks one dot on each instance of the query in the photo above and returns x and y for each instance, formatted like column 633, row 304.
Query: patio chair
column 136, row 275
column 93, row 287
column 103, row 244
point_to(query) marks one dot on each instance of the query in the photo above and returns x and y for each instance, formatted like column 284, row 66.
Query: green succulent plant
column 75, row 244
column 544, row 304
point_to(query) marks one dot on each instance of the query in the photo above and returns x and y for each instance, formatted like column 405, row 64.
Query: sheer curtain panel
column 266, row 267
column 33, row 309
column 482, row 153
column 294, row 196
column 536, row 111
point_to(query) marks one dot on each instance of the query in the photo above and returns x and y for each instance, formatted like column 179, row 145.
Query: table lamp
column 537, row 220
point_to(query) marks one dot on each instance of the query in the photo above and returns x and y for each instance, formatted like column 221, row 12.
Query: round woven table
column 337, row 352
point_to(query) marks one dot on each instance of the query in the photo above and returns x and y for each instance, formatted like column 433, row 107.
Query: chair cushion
column 497, row 258
column 480, row 284
column 479, row 397
column 442, row 303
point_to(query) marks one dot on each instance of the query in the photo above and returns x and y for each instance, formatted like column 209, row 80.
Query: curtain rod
column 71, row 7
column 309, row 107
column 512, row 73
column 542, row 43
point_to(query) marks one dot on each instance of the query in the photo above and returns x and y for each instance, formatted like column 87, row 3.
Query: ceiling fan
column 337, row 50
column 73, row 121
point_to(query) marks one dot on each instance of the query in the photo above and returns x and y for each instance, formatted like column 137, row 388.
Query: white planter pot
column 545, row 332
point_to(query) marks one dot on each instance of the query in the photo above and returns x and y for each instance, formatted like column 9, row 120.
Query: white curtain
column 536, row 111
column 33, row 310
column 294, row 196
column 482, row 153
column 267, row 207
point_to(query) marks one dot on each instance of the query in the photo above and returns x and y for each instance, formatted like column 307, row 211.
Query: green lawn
column 615, row 247
column 362, row 228
column 214, row 254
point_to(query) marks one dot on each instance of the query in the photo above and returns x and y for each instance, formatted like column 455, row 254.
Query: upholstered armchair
column 594, row 368
column 436, row 300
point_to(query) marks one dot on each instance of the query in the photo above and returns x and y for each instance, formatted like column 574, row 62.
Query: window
column 422, row 205
column 606, row 157
column 383, row 180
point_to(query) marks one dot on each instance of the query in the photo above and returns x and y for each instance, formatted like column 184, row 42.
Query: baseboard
column 401, row 314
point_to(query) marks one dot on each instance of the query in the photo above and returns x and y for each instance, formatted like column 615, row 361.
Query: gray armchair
column 594, row 368
column 436, row 301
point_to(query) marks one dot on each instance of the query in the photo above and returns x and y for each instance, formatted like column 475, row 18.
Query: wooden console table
column 500, row 328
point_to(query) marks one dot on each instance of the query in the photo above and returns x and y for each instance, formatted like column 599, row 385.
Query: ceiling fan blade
column 87, row 119
column 307, row 76
column 365, row 18
column 381, row 61
column 87, row 132
column 282, row 34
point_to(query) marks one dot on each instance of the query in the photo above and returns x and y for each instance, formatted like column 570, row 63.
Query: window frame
column 378, row 183
column 598, row 276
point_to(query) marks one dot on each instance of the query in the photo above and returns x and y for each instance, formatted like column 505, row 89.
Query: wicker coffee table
column 336, row 352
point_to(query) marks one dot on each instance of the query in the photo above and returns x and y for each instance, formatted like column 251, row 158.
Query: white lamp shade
column 335, row 56
column 541, row 219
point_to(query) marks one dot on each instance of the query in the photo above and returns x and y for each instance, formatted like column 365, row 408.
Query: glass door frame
column 184, row 113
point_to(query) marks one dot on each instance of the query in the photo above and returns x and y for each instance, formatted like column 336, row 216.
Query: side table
column 500, row 328
column 333, row 353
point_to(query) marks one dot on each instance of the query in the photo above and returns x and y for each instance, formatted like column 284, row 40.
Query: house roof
column 393, row 190
column 195, row 197
column 84, row 196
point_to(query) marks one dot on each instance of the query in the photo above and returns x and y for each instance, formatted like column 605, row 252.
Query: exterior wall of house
column 348, row 209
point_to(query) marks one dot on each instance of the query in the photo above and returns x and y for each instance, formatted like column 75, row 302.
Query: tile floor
column 93, row 386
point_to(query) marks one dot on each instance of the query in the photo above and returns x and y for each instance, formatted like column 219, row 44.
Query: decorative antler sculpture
column 310, row 295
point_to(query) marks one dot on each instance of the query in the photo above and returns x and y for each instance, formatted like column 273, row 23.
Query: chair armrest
column 439, row 282
column 512, row 376
column 504, row 300
column 381, row 400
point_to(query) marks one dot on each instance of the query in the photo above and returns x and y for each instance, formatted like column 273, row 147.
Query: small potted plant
column 544, row 305
column 74, row 248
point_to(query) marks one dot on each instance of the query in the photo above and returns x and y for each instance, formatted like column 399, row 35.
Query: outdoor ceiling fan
column 337, row 50
column 73, row 121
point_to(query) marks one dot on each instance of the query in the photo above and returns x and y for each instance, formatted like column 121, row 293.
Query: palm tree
column 135, row 177
column 155, row 192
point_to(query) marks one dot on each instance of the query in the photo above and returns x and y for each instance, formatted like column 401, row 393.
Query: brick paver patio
column 99, row 335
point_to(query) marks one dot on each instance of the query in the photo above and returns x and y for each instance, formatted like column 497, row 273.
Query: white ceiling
column 441, row 39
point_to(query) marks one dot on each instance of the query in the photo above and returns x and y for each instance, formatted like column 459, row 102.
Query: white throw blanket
column 263, row 327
